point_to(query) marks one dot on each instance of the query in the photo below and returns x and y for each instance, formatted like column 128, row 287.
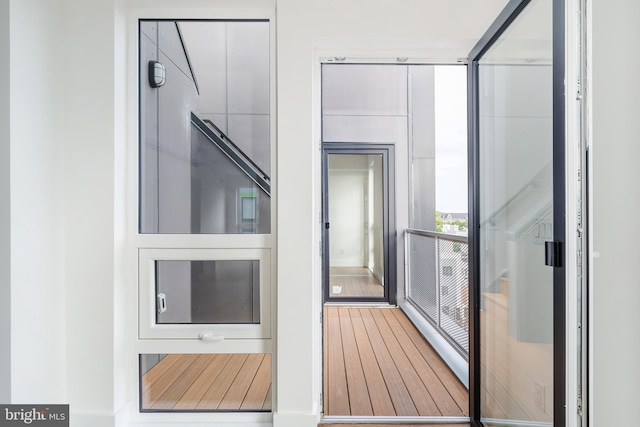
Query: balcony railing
column 438, row 282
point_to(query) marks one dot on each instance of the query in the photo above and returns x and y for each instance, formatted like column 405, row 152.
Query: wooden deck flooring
column 378, row 364
column 209, row 382
column 394, row 425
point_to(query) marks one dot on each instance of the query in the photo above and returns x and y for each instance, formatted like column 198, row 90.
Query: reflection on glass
column 205, row 382
column 218, row 71
column 516, row 324
column 199, row 292
column 356, row 249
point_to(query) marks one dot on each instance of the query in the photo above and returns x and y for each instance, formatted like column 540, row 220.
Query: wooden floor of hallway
column 377, row 363
column 394, row 425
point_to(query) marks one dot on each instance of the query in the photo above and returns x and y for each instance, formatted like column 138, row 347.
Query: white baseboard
column 295, row 420
column 88, row 419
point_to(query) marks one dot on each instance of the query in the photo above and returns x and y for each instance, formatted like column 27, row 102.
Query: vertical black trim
column 474, row 240
column 559, row 214
column 389, row 224
column 502, row 22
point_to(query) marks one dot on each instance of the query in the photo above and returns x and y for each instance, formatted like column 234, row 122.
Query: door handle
column 553, row 254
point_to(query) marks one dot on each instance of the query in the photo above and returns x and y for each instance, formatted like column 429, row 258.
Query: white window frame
column 212, row 332
column 190, row 245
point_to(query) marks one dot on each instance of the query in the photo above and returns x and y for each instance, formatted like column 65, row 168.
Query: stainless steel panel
column 150, row 29
column 207, row 46
column 169, row 43
column 148, row 361
column 423, row 184
column 177, row 98
column 173, row 278
column 422, row 108
column 364, row 90
column 365, row 129
column 423, row 147
column 251, row 134
column 148, row 141
column 248, row 67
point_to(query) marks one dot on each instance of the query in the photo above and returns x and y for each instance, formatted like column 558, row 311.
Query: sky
column 451, row 138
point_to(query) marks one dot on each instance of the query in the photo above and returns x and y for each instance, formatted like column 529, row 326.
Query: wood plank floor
column 393, row 425
column 209, row 382
column 378, row 364
column 513, row 371
column 354, row 282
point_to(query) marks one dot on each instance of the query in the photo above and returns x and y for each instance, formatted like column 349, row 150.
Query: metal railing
column 231, row 150
column 438, row 282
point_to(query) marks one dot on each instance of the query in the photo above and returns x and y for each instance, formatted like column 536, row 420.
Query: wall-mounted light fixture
column 157, row 74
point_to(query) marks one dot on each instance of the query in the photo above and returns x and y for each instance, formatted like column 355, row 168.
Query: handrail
column 226, row 138
column 443, row 236
column 234, row 153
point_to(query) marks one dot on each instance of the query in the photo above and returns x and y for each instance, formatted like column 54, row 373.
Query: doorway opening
column 394, row 244
column 359, row 223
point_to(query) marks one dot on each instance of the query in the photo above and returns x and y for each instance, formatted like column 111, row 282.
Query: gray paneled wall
column 231, row 64
column 388, row 104
column 166, row 152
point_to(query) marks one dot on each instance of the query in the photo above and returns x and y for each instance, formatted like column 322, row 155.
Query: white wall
column 37, row 201
column 376, row 218
column 5, row 211
column 615, row 154
column 92, row 136
column 306, row 27
column 347, row 218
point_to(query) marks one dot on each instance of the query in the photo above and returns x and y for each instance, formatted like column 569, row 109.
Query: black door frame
column 502, row 22
column 389, row 223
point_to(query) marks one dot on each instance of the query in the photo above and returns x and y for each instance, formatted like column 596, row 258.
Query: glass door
column 357, row 223
column 518, row 192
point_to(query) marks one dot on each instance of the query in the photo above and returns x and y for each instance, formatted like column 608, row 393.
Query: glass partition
column 516, row 218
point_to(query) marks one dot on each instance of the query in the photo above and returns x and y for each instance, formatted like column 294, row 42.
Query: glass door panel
column 516, row 218
column 356, row 226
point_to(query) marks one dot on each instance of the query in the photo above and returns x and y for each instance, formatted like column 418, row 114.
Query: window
column 204, row 232
column 205, row 132
column 204, row 293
